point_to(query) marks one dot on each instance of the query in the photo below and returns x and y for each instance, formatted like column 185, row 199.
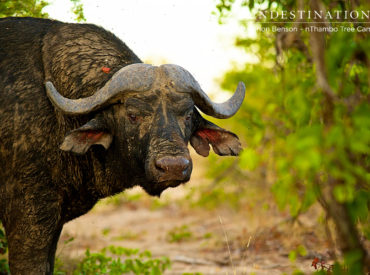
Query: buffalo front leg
column 33, row 251
column 32, row 239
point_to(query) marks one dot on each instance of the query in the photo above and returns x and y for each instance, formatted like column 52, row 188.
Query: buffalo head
column 145, row 116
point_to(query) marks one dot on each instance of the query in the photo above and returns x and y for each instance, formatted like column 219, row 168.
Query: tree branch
column 317, row 41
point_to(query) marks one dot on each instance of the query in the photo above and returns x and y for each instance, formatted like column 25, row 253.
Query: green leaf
column 249, row 159
column 344, row 192
column 292, row 256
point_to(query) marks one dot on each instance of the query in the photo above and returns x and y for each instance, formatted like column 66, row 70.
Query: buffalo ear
column 224, row 143
column 81, row 139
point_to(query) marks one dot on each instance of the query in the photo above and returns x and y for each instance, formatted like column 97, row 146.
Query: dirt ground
column 217, row 241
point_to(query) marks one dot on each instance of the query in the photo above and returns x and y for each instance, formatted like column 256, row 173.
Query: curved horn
column 134, row 77
column 220, row 110
column 186, row 83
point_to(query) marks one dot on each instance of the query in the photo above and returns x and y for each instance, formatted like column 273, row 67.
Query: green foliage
column 128, row 235
column 23, row 8
column 4, row 268
column 290, row 126
column 78, row 10
column 300, row 251
column 120, row 260
column 34, row 8
column 106, row 231
column 114, row 260
column 59, row 267
column 282, row 119
column 3, row 242
column 352, row 260
column 179, row 234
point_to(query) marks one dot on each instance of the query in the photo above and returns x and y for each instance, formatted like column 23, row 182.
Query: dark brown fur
column 34, row 199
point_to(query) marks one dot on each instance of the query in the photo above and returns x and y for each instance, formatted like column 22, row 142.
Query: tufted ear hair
column 224, row 143
column 81, row 139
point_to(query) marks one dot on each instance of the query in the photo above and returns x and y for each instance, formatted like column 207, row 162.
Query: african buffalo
column 82, row 118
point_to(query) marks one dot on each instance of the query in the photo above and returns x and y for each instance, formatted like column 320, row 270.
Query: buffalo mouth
column 156, row 188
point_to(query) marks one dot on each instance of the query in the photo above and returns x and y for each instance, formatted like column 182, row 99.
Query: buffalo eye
column 133, row 118
column 188, row 116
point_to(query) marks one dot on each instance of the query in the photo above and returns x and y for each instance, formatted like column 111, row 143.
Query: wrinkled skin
column 55, row 167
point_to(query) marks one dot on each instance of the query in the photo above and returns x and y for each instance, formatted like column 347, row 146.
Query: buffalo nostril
column 176, row 165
